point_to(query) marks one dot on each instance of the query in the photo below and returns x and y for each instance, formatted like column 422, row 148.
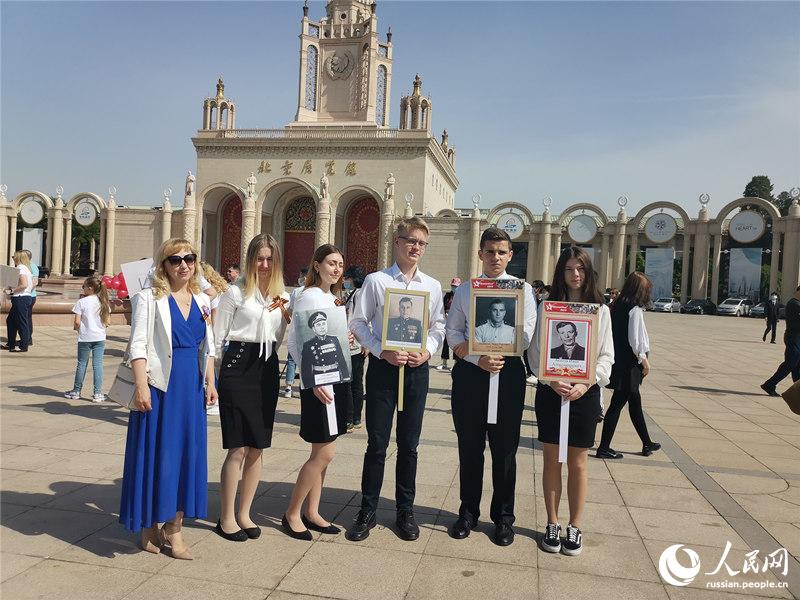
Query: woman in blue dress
column 172, row 355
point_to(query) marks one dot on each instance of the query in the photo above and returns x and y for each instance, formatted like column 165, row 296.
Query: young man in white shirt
column 410, row 242
column 470, row 399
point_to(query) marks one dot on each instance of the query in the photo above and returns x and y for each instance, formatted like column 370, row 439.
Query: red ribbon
column 281, row 303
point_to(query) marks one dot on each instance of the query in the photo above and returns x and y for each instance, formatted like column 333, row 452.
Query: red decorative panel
column 230, row 245
column 363, row 222
column 300, row 227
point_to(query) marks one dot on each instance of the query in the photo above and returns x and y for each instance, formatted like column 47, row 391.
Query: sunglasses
column 176, row 260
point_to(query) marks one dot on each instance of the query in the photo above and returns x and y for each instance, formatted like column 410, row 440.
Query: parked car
column 759, row 311
column 699, row 307
column 666, row 305
column 736, row 307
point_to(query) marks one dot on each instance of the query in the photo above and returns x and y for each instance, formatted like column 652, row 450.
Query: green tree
column 759, row 187
column 783, row 202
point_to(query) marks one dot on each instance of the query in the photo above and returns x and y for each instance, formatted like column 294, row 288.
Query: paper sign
column 137, row 275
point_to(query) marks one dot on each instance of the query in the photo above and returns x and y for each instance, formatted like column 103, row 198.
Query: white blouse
column 605, row 356
column 637, row 333
column 250, row 319
column 311, row 298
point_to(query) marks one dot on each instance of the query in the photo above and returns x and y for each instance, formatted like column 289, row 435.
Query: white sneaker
column 287, row 392
column 213, row 410
column 71, row 395
column 99, row 398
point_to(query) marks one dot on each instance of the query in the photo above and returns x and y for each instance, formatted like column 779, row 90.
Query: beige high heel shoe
column 181, row 550
column 151, row 541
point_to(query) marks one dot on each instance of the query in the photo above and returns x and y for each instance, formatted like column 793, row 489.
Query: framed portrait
column 405, row 320
column 496, row 316
column 568, row 338
column 323, row 341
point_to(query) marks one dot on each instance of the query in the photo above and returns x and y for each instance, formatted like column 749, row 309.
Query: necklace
column 186, row 300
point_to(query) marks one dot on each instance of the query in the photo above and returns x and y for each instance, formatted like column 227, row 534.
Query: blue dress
column 165, row 454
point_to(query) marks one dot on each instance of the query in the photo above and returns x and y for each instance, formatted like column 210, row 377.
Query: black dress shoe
column 648, row 449
column 330, row 529
column 770, row 390
column 461, row 528
column 252, row 532
column 406, row 525
column 236, row 536
column 503, row 534
column 304, row 535
column 359, row 530
column 607, row 453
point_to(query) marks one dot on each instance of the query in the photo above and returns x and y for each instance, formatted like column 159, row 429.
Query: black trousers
column 790, row 364
column 618, row 401
column 381, row 399
column 355, row 393
column 18, row 322
column 470, row 401
column 445, row 350
column 30, row 317
column 771, row 325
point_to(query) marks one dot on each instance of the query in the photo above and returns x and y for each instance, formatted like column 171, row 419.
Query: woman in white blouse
column 18, row 320
column 574, row 280
column 631, row 365
column 251, row 319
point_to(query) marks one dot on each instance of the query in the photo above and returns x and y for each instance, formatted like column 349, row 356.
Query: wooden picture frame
column 568, row 341
column 490, row 301
column 405, row 328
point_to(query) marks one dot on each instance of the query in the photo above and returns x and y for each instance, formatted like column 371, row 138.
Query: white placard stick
column 333, row 427
column 494, row 385
column 401, row 386
column 563, row 434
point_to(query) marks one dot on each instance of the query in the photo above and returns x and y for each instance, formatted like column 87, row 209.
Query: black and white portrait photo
column 323, row 335
column 404, row 320
column 495, row 312
column 495, row 320
column 568, row 340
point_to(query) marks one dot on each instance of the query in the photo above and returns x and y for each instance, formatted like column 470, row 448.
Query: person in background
column 447, row 300
column 291, row 365
column 631, row 363
column 92, row 316
column 791, row 361
column 219, row 285
column 545, row 293
column 232, row 273
column 353, row 280
column 613, row 294
column 35, row 272
column 18, row 319
column 771, row 311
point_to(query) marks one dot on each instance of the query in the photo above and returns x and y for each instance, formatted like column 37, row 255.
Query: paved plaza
column 728, row 472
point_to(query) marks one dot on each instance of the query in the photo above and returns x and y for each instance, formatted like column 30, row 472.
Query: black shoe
column 304, row 535
column 330, row 529
column 461, row 528
column 551, row 542
column 252, row 532
column 573, row 543
column 406, row 525
column 4, row 347
column 236, row 536
column 648, row 449
column 772, row 342
column 359, row 530
column 607, row 453
column 503, row 534
column 770, row 390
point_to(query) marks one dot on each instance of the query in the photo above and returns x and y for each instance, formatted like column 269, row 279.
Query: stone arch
column 447, row 213
column 358, row 213
column 48, row 203
column 98, row 201
column 562, row 218
column 765, row 204
column 341, row 202
column 273, row 198
column 230, row 229
column 210, row 198
column 637, row 220
column 512, row 205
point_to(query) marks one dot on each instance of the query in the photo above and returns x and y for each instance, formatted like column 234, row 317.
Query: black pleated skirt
column 583, row 415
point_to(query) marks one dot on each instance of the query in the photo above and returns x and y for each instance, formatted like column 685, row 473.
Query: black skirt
column 314, row 415
column 583, row 415
column 248, row 394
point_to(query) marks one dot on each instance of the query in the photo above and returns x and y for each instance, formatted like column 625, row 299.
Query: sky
column 582, row 102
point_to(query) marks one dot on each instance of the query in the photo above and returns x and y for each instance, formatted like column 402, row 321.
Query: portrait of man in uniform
column 495, row 329
column 404, row 320
column 322, row 361
column 405, row 328
column 569, row 349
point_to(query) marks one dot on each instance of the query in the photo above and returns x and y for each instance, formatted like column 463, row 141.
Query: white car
column 736, row 307
column 666, row 305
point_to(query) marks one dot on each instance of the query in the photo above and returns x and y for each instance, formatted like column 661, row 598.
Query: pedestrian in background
column 18, row 319
column 771, row 310
column 791, row 357
column 92, row 316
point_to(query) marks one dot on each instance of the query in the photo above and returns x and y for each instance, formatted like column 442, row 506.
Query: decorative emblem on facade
column 340, row 64
column 350, row 169
column 330, row 167
column 287, row 167
column 264, row 167
column 306, row 167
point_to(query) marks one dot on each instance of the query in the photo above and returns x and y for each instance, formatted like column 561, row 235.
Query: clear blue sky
column 581, row 101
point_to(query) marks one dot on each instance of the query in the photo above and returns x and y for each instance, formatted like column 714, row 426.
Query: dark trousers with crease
column 470, row 402
column 381, row 401
column 771, row 326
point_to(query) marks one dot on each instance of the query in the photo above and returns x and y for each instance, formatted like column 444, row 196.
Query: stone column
column 51, row 228
column 544, row 247
column 715, row 257
column 166, row 221
column 323, row 222
column 791, row 252
column 92, row 255
column 634, row 251
column 687, row 241
column 100, row 268
column 68, row 243
column 531, row 267
column 57, row 239
column 700, row 262
column 773, row 260
column 12, row 235
column 556, row 245
column 603, row 266
column 475, row 242
column 189, row 218
column 248, row 225
column 111, row 221
column 619, row 250
column 385, row 233
column 4, row 231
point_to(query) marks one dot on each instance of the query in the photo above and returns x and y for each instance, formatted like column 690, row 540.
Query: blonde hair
column 95, row 284
column 313, row 278
column 216, row 280
column 21, row 258
column 258, row 243
column 410, row 224
column 161, row 285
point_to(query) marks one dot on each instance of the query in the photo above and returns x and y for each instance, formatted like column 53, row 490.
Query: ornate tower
column 219, row 112
column 345, row 71
column 415, row 110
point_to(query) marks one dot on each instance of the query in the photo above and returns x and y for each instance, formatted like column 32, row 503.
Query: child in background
column 92, row 316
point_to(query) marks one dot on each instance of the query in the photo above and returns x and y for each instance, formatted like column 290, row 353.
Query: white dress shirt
column 458, row 317
column 637, row 333
column 309, row 299
column 369, row 307
column 242, row 319
column 605, row 356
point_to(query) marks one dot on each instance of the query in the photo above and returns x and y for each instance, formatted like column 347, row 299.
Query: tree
column 759, row 187
column 783, row 201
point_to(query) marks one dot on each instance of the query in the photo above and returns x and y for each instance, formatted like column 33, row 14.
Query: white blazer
column 158, row 350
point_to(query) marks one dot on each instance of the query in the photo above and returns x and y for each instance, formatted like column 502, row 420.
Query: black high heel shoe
column 648, row 449
column 236, row 536
column 252, row 532
column 304, row 535
column 330, row 529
